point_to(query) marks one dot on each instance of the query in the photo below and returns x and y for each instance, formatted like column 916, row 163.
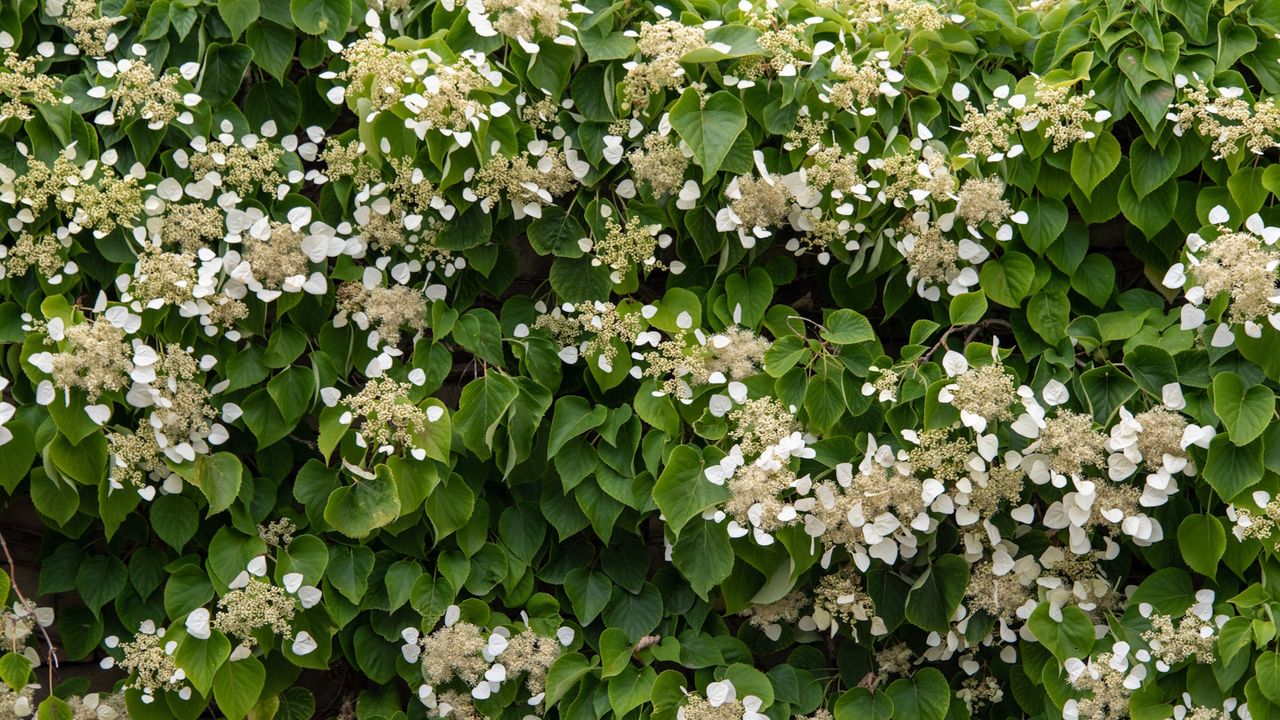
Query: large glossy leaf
column 683, row 491
column 703, row 555
column 367, row 504
column 709, row 125
column 937, row 593
column 1245, row 410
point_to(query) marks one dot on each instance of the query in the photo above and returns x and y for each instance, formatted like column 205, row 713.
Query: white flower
column 303, row 644
column 198, row 624
column 719, row 693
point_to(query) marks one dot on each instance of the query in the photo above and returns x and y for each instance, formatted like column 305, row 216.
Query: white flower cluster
column 1241, row 264
column 462, row 651
column 149, row 658
column 770, row 461
column 720, row 702
column 253, row 603
column 889, row 504
column 681, row 362
column 18, row 624
column 1105, row 681
column 259, row 603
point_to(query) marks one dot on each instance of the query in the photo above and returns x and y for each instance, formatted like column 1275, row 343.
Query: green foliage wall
column 890, row 359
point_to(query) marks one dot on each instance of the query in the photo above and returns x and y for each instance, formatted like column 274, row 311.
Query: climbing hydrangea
column 549, row 358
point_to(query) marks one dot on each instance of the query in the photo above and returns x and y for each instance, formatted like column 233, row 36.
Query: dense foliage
column 707, row 360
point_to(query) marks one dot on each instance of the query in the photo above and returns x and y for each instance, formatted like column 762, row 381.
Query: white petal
column 303, row 643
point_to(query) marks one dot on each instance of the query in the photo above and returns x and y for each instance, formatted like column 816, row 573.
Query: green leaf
column 703, row 555
column 1048, row 314
column 577, row 280
column 1070, row 637
column 1152, row 367
column 750, row 681
column 783, row 355
column 431, row 597
column 824, row 402
column 16, row 455
column 349, row 569
column 1247, row 189
column 675, row 304
column 478, row 331
column 174, row 519
column 55, row 498
column 1245, row 411
column 15, row 670
column 934, row 597
column 329, row 18
column 1095, row 279
column 237, row 685
column 218, row 476
column 296, row 704
column 369, row 503
column 748, row 297
column 449, row 506
column 264, row 419
column 229, row 554
column 224, row 67
column 1008, row 279
column 556, row 233
column 1093, row 161
column 589, row 591
column 924, row 696
column 292, row 391
column 658, row 412
column 182, row 17
column 861, row 704
column 186, row 590
column 202, row 659
column 709, row 128
column 683, row 491
column 80, row 630
column 846, row 327
column 1203, row 542
column 1046, row 219
column 483, row 404
column 1106, row 389
column 631, row 689
column 72, row 421
column 1150, row 212
column 615, row 651
column 272, row 47
column 968, row 308
column 522, row 530
column 638, row 614
column 573, row 416
column 84, row 462
column 564, row 674
column 1267, row 672
column 729, row 41
column 1193, row 14
column 1151, row 167
column 100, row 580
column 238, row 14
column 54, row 708
column 307, row 555
column 1232, row 469
column 146, row 570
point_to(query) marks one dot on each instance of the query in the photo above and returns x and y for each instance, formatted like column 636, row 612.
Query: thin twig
column 975, row 328
column 30, row 606
column 941, row 341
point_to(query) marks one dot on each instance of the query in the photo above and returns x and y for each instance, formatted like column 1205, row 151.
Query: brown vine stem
column 52, row 655
column 975, row 328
